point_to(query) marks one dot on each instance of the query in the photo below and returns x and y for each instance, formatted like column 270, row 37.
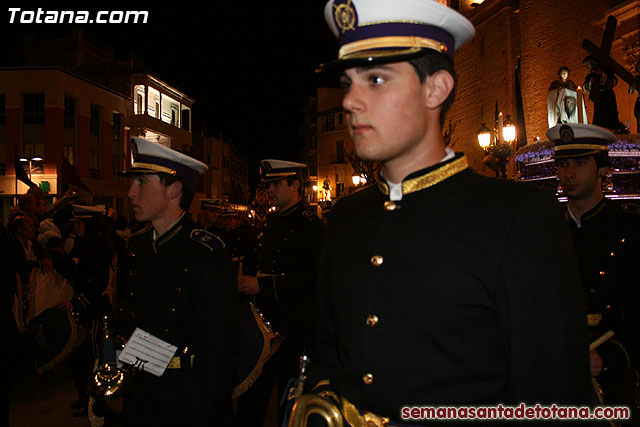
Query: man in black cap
column 437, row 286
column 183, row 291
column 210, row 209
column 283, row 286
column 608, row 246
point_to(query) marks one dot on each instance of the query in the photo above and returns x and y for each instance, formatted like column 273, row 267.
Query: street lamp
column 30, row 160
column 484, row 136
column 509, row 130
column 497, row 149
column 358, row 180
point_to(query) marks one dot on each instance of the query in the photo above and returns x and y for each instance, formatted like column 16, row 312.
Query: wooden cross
column 602, row 54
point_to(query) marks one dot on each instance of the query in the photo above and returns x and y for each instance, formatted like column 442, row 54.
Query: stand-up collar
column 292, row 209
column 170, row 233
column 428, row 177
column 588, row 215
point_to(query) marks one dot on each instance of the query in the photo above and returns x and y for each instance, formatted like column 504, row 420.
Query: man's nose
column 352, row 101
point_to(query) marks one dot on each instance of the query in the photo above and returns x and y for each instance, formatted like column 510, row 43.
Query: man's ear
column 438, row 86
column 295, row 184
column 174, row 190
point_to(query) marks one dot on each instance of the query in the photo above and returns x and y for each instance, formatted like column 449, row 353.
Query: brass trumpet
column 306, row 405
column 109, row 381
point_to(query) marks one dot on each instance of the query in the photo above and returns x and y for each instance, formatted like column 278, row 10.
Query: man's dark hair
column 602, row 159
column 430, row 62
column 188, row 188
column 295, row 177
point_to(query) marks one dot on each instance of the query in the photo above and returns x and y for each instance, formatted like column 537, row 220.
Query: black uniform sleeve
column 324, row 354
column 629, row 323
column 215, row 335
column 545, row 322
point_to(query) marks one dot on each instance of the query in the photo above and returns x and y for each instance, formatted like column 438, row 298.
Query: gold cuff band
column 594, row 319
column 175, row 362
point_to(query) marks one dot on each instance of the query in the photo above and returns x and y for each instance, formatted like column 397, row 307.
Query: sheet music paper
column 147, row 352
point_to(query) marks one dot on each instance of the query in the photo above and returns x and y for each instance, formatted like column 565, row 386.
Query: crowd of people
column 57, row 258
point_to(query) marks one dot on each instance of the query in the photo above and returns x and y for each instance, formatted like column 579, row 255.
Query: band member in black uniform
column 210, row 209
column 283, row 286
column 183, row 291
column 225, row 228
column 607, row 244
column 437, row 286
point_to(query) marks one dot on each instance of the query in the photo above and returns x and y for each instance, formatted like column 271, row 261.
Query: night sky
column 249, row 65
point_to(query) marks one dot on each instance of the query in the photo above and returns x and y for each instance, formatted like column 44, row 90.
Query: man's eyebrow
column 365, row 68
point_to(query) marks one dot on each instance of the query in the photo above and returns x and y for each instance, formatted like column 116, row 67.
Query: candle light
column 580, row 105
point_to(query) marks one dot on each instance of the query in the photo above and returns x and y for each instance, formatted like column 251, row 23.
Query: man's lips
column 360, row 128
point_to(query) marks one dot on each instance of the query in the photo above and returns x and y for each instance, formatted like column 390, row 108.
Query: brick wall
column 546, row 34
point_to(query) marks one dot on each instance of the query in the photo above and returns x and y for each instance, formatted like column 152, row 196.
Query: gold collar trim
column 594, row 211
column 169, row 234
column 430, row 178
column 290, row 209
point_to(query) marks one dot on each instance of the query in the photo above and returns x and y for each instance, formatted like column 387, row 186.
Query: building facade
column 72, row 100
column 507, row 68
column 516, row 54
column 228, row 175
column 51, row 114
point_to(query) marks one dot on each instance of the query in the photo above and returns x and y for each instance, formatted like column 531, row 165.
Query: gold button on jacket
column 372, row 320
column 377, row 260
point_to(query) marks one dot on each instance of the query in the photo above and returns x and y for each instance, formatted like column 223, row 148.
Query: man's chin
column 140, row 217
column 363, row 156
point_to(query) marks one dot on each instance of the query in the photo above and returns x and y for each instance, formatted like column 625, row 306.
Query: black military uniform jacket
column 183, row 291
column 464, row 292
column 608, row 249
column 288, row 255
